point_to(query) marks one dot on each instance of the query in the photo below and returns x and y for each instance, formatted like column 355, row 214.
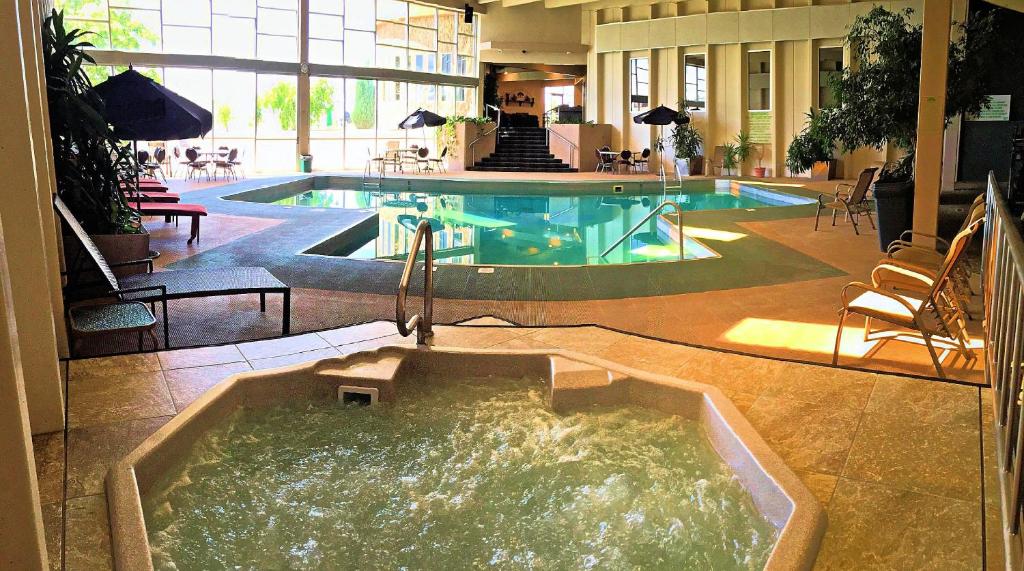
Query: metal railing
column 472, row 144
column 652, row 214
column 1003, row 286
column 573, row 149
column 423, row 323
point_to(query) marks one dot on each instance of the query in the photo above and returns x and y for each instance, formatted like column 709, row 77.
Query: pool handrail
column 423, row 323
column 652, row 214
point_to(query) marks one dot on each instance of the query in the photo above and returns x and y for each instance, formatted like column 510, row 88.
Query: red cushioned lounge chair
column 149, row 196
column 193, row 211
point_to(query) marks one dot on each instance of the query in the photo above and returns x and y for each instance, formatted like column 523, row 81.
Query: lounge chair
column 849, row 199
column 153, row 287
column 149, row 196
column 172, row 210
column 928, row 308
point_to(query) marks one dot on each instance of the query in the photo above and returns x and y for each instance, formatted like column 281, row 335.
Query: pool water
column 456, row 474
column 535, row 230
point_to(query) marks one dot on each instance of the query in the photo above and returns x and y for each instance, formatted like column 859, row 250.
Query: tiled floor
column 895, row 460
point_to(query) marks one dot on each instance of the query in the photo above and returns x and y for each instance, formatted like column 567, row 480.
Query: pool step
column 522, row 149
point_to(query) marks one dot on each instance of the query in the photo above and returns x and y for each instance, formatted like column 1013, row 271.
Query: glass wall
column 256, row 112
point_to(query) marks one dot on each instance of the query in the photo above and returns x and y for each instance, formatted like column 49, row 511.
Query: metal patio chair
column 851, row 199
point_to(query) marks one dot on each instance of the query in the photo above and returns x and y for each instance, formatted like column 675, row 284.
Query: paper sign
column 998, row 109
column 759, row 124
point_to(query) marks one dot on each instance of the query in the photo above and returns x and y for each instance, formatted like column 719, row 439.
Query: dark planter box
column 823, row 170
column 894, row 204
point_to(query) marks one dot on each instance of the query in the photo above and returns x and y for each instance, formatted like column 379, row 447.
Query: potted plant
column 878, row 97
column 730, row 157
column 759, row 170
column 744, row 146
column 811, row 150
column 687, row 145
column 90, row 163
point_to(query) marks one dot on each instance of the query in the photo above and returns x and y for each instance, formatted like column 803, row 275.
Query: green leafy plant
column 224, row 116
column 812, row 145
column 490, row 94
column 878, row 97
column 446, row 132
column 281, row 100
column 730, row 156
column 744, row 146
column 90, row 163
column 364, row 111
column 687, row 142
column 321, row 101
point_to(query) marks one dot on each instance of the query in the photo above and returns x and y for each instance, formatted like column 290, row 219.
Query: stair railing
column 652, row 214
column 472, row 145
column 423, row 323
column 573, row 149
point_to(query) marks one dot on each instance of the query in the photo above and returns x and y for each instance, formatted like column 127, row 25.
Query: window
column 830, row 65
column 695, row 79
column 759, row 81
column 639, row 84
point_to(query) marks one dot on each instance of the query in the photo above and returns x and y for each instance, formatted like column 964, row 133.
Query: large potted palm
column 878, row 97
column 90, row 163
column 688, row 147
column 812, row 150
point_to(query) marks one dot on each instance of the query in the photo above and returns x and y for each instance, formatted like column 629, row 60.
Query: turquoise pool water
column 535, row 229
column 456, row 474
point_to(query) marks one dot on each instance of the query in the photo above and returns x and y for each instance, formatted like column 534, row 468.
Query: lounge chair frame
column 852, row 199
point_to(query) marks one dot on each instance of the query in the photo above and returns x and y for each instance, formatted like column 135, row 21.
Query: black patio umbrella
column 141, row 109
column 661, row 116
column 420, row 119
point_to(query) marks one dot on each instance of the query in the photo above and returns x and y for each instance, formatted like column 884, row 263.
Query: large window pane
column 392, row 108
column 391, row 34
column 275, row 122
column 246, row 8
column 759, row 81
column 423, row 61
column 359, row 48
column 327, row 6
column 277, row 48
column 188, row 13
column 360, row 15
column 447, row 25
column 446, row 58
column 391, row 58
column 277, row 22
column 326, row 52
column 830, row 66
column 135, row 30
column 234, row 37
column 422, row 16
column 327, row 107
column 186, row 40
column 422, row 39
column 325, row 27
column 695, row 76
column 639, row 84
column 392, row 10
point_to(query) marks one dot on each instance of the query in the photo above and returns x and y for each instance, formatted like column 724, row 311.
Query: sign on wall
column 998, row 109
column 759, row 125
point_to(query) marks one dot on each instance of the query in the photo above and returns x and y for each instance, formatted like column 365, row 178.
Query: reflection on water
column 535, row 230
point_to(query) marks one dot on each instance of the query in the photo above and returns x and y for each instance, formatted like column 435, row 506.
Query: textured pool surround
column 574, row 381
column 746, row 262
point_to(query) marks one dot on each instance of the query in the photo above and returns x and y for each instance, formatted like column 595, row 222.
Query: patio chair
column 906, row 250
column 162, row 286
column 373, row 164
column 392, row 157
column 100, row 317
column 226, row 165
column 643, row 161
column 153, row 167
column 626, row 159
column 195, row 166
column 422, row 162
column 181, row 162
column 717, row 160
column 849, row 199
column 912, row 302
column 237, row 164
column 438, row 160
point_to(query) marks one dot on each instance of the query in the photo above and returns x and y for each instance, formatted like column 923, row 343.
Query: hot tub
column 462, row 458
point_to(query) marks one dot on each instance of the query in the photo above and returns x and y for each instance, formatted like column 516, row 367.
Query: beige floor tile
column 815, row 384
column 356, row 333
column 821, row 485
column 486, row 321
column 102, row 400
column 809, row 437
column 647, row 355
column 282, row 346
column 900, row 452
column 473, row 337
column 53, row 530
column 87, row 541
column 295, row 358
column 990, row 459
column 370, row 344
column 187, row 384
column 873, row 527
column 116, row 365
column 736, row 373
column 49, row 454
column 93, row 450
column 742, row 401
column 925, row 401
column 589, row 340
column 994, row 551
column 199, row 357
column 524, row 342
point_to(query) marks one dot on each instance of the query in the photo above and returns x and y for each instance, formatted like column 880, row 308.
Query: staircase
column 522, row 147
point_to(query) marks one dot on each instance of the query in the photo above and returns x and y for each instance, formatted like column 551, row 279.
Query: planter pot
column 690, row 167
column 823, row 170
column 114, row 247
column 894, row 204
column 759, row 172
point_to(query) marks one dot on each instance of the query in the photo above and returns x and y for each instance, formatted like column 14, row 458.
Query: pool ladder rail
column 422, row 323
column 652, row 214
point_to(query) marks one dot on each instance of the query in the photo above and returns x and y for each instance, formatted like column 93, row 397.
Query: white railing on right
column 1003, row 285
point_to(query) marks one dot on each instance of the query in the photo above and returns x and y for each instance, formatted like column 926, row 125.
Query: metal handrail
column 497, row 126
column 573, row 149
column 423, row 323
column 652, row 214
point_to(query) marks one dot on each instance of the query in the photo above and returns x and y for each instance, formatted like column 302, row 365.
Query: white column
column 24, row 237
column 931, row 114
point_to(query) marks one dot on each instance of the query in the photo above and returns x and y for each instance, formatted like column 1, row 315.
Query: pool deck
column 903, row 466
